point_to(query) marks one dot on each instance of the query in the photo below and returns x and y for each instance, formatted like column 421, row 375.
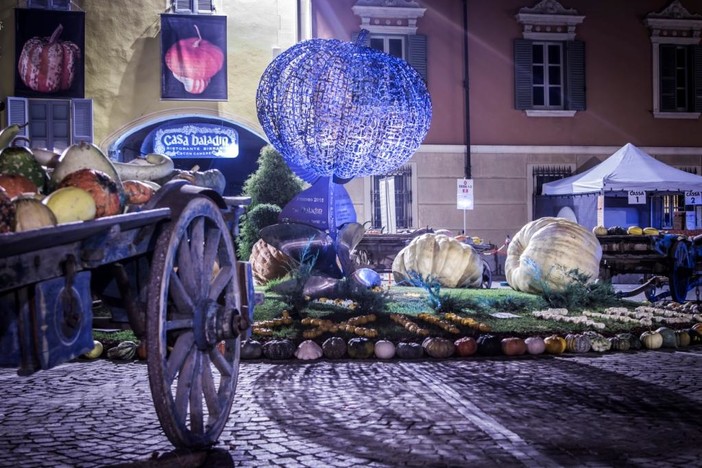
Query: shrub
column 257, row 218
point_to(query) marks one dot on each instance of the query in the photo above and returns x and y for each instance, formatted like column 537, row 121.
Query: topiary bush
column 260, row 216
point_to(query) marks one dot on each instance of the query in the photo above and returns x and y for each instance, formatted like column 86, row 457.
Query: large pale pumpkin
column 268, row 263
column 450, row 262
column 544, row 251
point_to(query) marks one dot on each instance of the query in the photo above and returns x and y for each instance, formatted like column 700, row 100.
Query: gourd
column 124, row 351
column 308, row 350
column 409, row 350
column 651, row 340
column 695, row 336
column 19, row 160
column 544, row 252
column 599, row 230
column 682, row 338
column 466, row 346
column 30, row 213
column 153, row 166
column 96, row 350
column 489, row 345
column 513, row 346
column 360, row 348
column 634, row 340
column 83, row 155
column 251, row 349
column 279, row 349
column 194, row 61
column 47, row 64
column 137, row 192
column 7, row 213
column 535, row 345
column 438, row 347
column 577, row 343
column 555, row 344
column 334, row 347
column 451, row 263
column 384, row 349
column 268, row 263
column 634, row 231
column 619, row 343
column 15, row 185
column 71, row 204
column 100, row 186
column 598, row 343
column 668, row 335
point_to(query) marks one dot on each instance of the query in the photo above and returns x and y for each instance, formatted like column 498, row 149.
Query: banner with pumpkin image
column 49, row 53
column 193, row 57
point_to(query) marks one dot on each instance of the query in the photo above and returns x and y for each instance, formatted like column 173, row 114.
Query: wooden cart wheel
column 192, row 326
column 680, row 271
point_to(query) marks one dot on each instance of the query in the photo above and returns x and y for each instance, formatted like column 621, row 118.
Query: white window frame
column 386, row 42
column 655, row 53
column 368, row 203
column 546, row 84
column 193, row 8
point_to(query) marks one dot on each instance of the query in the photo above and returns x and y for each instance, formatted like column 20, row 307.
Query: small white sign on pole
column 693, row 198
column 464, row 194
column 637, row 197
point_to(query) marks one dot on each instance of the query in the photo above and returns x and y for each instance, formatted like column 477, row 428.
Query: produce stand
column 191, row 306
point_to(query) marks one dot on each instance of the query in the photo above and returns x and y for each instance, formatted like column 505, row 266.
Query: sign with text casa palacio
column 196, row 140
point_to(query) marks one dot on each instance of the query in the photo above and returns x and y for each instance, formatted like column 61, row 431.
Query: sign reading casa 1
column 201, row 140
column 637, row 197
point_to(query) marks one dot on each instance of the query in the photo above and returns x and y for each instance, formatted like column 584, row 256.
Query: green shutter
column 575, row 75
column 523, row 60
column 417, row 53
column 697, row 64
column 82, row 120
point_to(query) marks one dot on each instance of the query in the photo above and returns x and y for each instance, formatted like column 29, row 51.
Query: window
column 50, row 4
column 391, row 198
column 547, row 73
column 390, row 45
column 192, row 6
column 412, row 48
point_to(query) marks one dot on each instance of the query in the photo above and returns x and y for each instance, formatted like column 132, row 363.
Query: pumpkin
column 535, row 345
column 268, row 263
column 599, row 230
column 19, row 160
column 697, row 327
column 513, row 346
column 651, row 340
column 451, row 263
column 137, row 192
column 83, row 155
column 409, row 350
column 15, row 185
column 668, row 335
column 634, row 341
column 695, row 336
column 124, row 351
column 384, row 349
column 30, row 213
column 71, row 204
column 577, row 343
column 360, row 348
column 308, row 350
column 598, row 343
column 194, row 61
column 619, row 343
column 466, row 346
column 438, row 347
column 543, row 253
column 555, row 344
column 334, row 347
column 99, row 185
column 279, row 349
column 682, row 338
column 7, row 213
column 96, row 351
column 251, row 349
column 47, row 64
column 489, row 345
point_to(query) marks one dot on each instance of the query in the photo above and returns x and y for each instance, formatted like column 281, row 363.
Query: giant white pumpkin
column 450, row 262
column 543, row 253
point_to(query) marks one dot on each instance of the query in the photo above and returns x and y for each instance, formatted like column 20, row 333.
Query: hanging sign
column 693, row 198
column 194, row 140
column 637, row 197
column 464, row 194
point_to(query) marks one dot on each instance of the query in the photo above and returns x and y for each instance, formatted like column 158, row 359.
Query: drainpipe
column 299, row 20
column 466, row 89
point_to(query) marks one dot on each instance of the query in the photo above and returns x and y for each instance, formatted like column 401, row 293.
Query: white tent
column 627, row 169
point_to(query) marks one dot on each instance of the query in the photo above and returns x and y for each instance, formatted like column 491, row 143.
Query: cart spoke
column 223, row 278
column 184, row 386
column 209, row 389
column 178, row 356
column 197, row 245
column 221, row 363
column 211, row 249
column 196, row 416
column 180, row 295
column 179, row 324
column 185, row 267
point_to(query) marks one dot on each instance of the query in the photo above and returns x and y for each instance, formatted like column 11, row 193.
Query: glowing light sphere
column 343, row 110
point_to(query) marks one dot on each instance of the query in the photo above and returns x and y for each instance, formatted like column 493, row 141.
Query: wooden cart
column 185, row 293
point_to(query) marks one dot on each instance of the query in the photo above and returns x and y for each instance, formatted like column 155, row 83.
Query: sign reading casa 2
column 693, row 198
column 200, row 140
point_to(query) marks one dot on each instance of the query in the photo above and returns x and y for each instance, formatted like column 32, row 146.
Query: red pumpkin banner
column 194, row 57
column 49, row 53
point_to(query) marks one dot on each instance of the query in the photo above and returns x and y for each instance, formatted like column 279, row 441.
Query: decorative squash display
column 619, row 343
column 682, row 338
column 578, row 343
column 194, row 61
column 251, row 349
column 513, row 346
column 555, row 344
column 334, row 347
column 409, row 350
column 668, row 335
column 308, row 350
column 360, row 348
column 466, row 346
column 268, row 263
column 489, row 345
column 535, row 345
column 543, row 253
column 124, row 351
column 651, row 340
column 598, row 343
column 450, row 262
column 384, row 349
column 279, row 349
column 438, row 347
column 47, row 64
column 100, row 186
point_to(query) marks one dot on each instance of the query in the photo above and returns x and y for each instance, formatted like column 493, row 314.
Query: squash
column 251, row 349
column 651, row 339
column 438, row 347
column 451, row 263
column 334, row 347
column 194, row 61
column 7, row 213
column 409, row 350
column 124, row 351
column 599, row 230
column 279, row 349
column 577, row 343
column 360, row 348
column 30, row 213
column 71, row 204
column 535, row 345
column 466, row 346
column 83, row 155
column 137, row 192
column 668, row 335
column 542, row 254
column 650, row 231
column 598, row 343
column 96, row 351
column 384, row 349
column 682, row 338
column 308, row 350
column 18, row 160
column 619, row 343
column 513, row 346
column 634, row 231
column 695, row 336
column 153, row 166
column 104, row 190
column 47, row 64
column 634, row 340
column 16, row 184
column 555, row 344
column 489, row 345
column 268, row 263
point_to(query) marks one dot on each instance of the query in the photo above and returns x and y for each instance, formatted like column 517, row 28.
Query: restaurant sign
column 201, row 140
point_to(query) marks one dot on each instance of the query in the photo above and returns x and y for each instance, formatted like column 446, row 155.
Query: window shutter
column 697, row 61
column 182, row 6
column 417, row 53
column 205, row 6
column 354, row 37
column 667, row 77
column 82, row 120
column 49, row 4
column 575, row 75
column 18, row 113
column 523, row 60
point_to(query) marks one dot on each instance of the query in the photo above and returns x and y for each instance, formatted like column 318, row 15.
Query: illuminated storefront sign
column 200, row 140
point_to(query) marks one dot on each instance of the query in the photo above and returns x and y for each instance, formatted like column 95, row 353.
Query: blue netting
column 340, row 109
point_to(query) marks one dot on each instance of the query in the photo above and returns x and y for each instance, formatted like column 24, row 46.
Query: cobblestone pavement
column 616, row 409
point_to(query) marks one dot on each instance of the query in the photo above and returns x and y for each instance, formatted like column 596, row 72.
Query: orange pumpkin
column 555, row 344
column 137, row 192
column 513, row 346
column 15, row 184
column 194, row 61
column 99, row 185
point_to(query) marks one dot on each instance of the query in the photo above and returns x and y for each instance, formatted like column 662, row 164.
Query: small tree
column 258, row 217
